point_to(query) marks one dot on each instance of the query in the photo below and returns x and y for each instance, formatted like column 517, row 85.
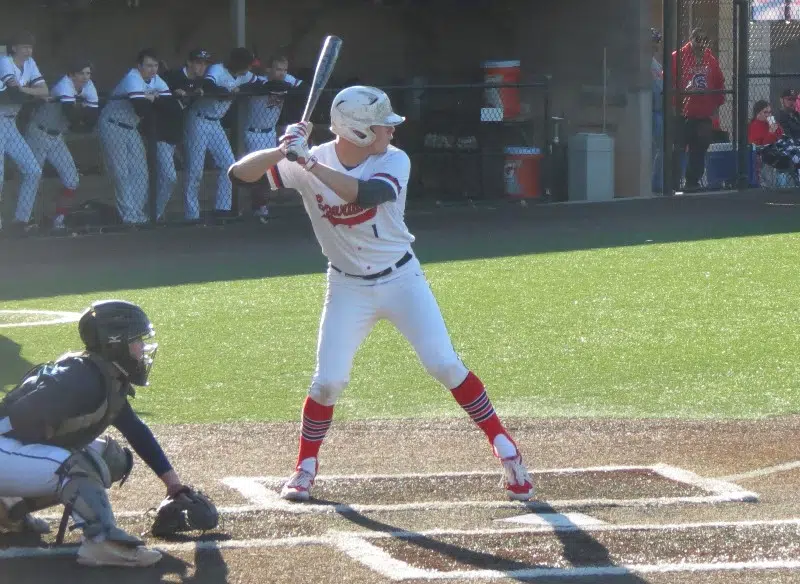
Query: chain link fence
column 467, row 143
column 773, row 81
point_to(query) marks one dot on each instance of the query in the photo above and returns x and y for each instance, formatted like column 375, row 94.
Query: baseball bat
column 322, row 74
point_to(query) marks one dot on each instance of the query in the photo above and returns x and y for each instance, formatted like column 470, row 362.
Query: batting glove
column 299, row 148
column 298, row 130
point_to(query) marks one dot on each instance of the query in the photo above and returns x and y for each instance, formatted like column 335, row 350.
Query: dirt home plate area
column 417, row 501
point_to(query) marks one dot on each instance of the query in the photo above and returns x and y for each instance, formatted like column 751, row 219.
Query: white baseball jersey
column 28, row 76
column 263, row 111
column 217, row 108
column 51, row 115
column 356, row 240
column 132, row 86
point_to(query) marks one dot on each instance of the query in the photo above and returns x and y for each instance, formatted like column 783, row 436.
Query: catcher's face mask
column 143, row 353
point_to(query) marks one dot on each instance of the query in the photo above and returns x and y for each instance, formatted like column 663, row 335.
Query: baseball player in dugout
column 204, row 131
column 53, row 449
column 263, row 110
column 72, row 107
column 700, row 71
column 131, row 102
column 186, row 85
column 354, row 191
column 20, row 83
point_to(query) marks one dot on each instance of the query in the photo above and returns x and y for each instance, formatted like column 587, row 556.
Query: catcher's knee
column 326, row 393
column 449, row 371
column 118, row 459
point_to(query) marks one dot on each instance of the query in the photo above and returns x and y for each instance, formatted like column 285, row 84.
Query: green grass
column 699, row 329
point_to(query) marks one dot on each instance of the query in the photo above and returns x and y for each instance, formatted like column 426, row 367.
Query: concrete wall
column 567, row 40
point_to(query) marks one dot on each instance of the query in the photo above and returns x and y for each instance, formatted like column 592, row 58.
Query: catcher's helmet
column 108, row 327
column 357, row 108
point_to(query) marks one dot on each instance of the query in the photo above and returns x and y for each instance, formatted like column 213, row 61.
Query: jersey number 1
column 375, row 229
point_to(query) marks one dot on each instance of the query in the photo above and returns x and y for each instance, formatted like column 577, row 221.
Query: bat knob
column 291, row 156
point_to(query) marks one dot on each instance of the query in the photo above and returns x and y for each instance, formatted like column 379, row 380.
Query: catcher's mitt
column 185, row 510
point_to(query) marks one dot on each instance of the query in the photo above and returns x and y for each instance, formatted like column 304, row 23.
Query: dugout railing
column 465, row 146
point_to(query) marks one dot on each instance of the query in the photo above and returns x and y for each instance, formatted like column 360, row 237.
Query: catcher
column 52, row 448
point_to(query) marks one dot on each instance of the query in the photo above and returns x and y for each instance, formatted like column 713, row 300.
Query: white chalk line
column 357, row 546
column 262, row 491
column 762, row 472
column 59, row 317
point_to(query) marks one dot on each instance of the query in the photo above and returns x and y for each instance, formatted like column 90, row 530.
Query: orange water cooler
column 507, row 98
column 522, row 172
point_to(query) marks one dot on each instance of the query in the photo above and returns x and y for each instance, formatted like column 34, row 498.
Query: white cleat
column 109, row 553
column 516, row 479
column 298, row 487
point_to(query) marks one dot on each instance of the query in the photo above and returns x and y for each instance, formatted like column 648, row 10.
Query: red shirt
column 758, row 133
column 698, row 76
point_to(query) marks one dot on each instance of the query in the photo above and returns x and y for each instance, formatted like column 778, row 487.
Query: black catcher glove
column 185, row 510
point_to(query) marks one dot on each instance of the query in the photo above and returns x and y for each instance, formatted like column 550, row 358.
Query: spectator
column 131, row 102
column 186, row 85
column 20, row 82
column 657, row 72
column 775, row 149
column 73, row 106
column 263, row 110
column 788, row 118
column 700, row 72
column 763, row 128
column 204, row 130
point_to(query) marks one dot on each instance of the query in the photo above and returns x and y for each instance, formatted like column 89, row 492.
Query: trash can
column 590, row 167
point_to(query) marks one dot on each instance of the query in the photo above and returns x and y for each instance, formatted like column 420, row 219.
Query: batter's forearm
column 255, row 165
column 346, row 187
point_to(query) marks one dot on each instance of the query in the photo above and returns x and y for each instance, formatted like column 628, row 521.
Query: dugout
column 387, row 43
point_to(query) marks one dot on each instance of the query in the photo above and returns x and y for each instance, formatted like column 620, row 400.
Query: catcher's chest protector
column 76, row 431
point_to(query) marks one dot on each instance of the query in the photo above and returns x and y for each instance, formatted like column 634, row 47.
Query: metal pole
column 239, row 19
column 670, row 37
column 743, row 92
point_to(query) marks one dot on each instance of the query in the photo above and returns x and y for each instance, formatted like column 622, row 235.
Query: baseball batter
column 354, row 191
column 73, row 105
column 204, row 130
column 20, row 81
column 131, row 101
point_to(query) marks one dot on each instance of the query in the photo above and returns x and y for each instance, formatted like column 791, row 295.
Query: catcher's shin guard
column 84, row 481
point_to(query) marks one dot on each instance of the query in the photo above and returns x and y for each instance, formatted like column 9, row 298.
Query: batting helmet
column 108, row 327
column 357, row 108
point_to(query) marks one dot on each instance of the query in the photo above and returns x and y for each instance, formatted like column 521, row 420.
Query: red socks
column 316, row 421
column 471, row 395
column 65, row 201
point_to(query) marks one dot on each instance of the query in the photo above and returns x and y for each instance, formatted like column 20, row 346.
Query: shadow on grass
column 14, row 365
column 42, row 267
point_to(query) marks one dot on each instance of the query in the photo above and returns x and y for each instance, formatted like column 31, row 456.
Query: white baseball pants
column 352, row 308
column 14, row 146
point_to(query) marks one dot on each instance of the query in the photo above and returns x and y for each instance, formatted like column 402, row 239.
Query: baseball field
column 645, row 353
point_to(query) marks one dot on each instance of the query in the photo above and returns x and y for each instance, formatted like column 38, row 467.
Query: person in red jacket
column 763, row 128
column 699, row 71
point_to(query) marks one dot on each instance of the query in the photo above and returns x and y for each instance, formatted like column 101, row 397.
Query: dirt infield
column 618, row 501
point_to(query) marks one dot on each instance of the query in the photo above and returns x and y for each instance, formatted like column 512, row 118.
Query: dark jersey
column 71, row 402
column 170, row 112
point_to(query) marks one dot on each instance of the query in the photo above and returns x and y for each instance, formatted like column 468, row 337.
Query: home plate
column 553, row 520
